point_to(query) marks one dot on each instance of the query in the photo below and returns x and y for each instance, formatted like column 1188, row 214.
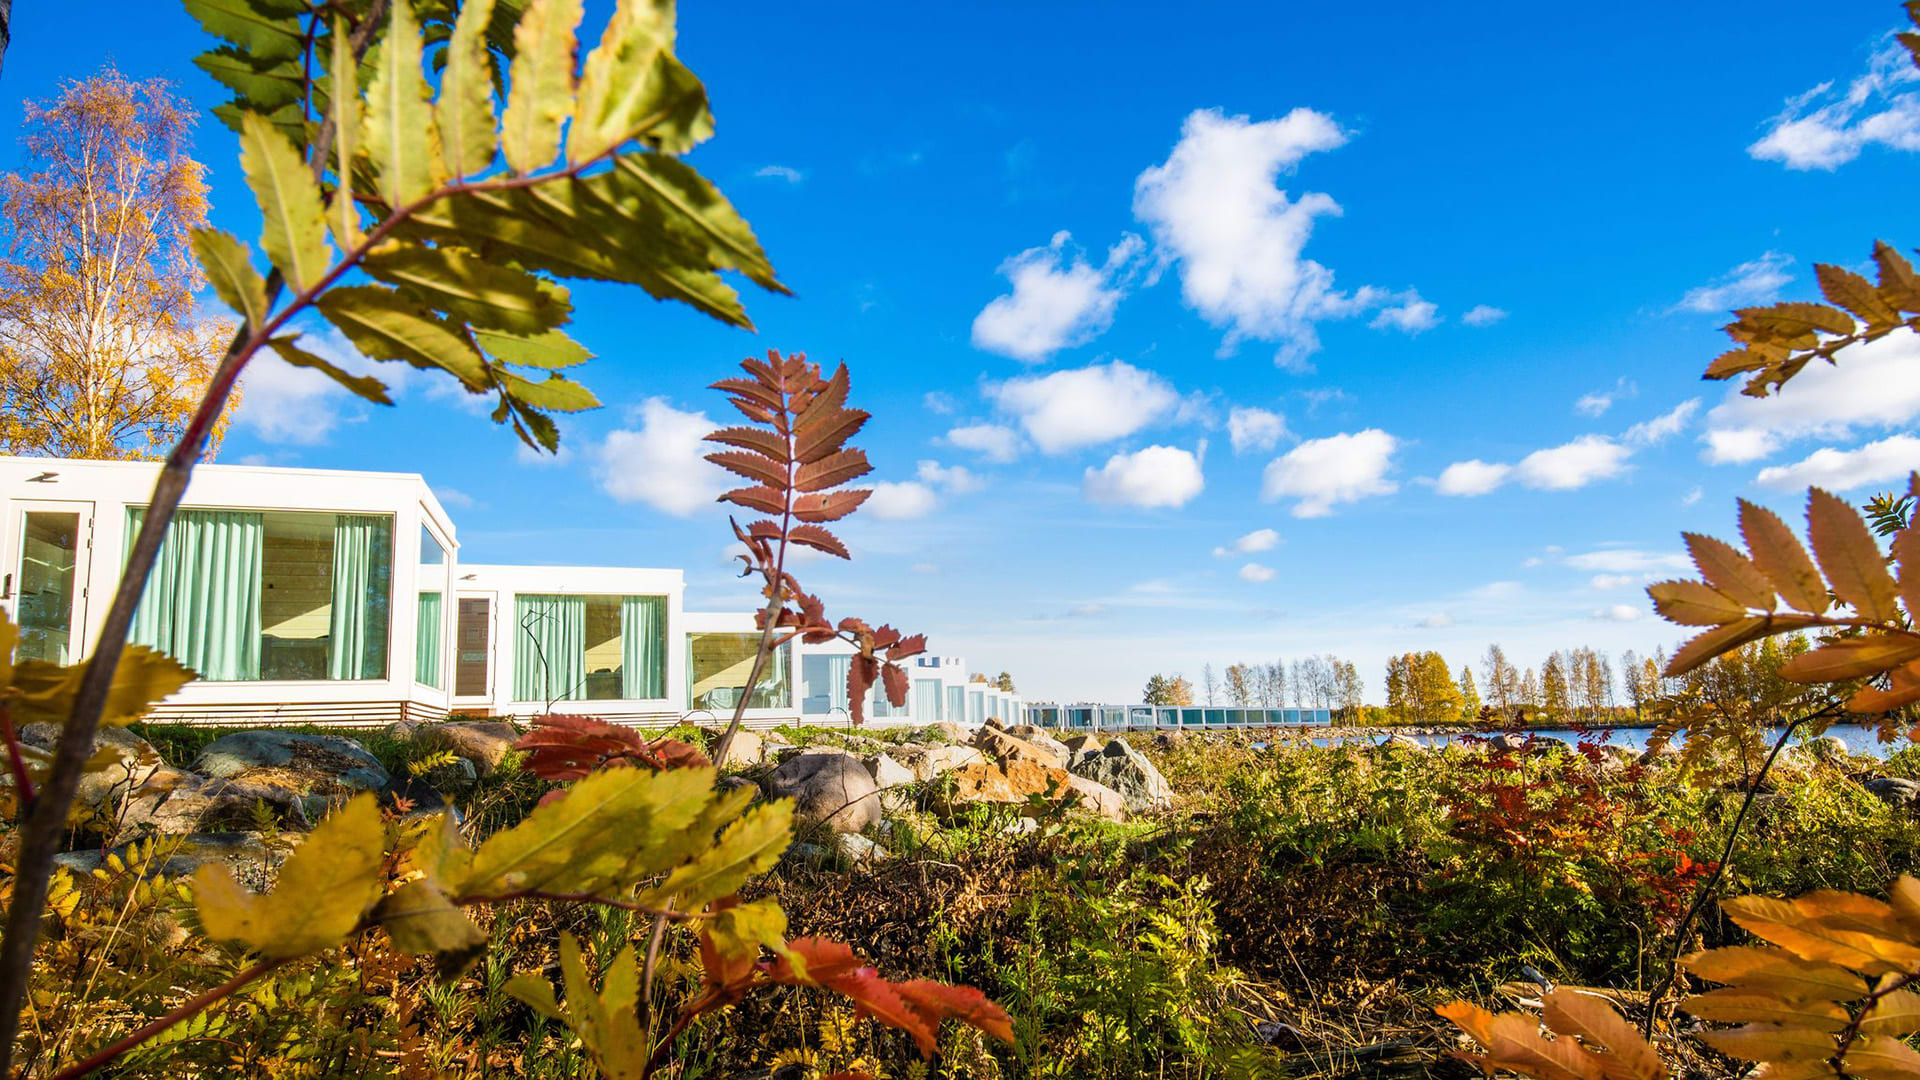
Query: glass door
column 473, row 648
column 47, row 584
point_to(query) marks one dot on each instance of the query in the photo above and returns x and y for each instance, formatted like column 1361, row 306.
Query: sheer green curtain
column 837, row 669
column 426, row 653
column 202, row 602
column 643, row 647
column 772, row 690
column 362, row 572
column 550, row 648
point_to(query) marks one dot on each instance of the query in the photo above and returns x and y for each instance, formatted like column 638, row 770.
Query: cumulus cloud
column 661, row 462
column 1323, row 473
column 1618, row 613
column 1257, row 540
column 1663, row 427
column 1822, row 129
column 780, row 172
column 1470, row 478
column 1573, row 465
column 1872, row 385
column 993, row 442
column 955, row 479
column 1409, row 314
column 1483, row 315
column 939, row 401
column 1086, row 406
column 1755, row 282
column 1214, row 211
column 900, row 500
column 1154, row 477
column 1058, row 300
column 1599, row 401
column 1883, row 462
column 1252, row 429
column 1627, row 561
column 454, row 498
column 285, row 404
column 1255, row 572
column 1439, row 620
column 1607, row 582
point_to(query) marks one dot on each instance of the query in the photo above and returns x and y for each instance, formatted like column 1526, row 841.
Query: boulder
column 402, row 730
column 483, row 742
column 455, row 777
column 1126, row 771
column 894, row 781
column 1655, row 755
column 994, row 722
column 326, row 765
column 830, row 789
column 1003, row 747
column 1508, row 740
column 1828, row 748
column 929, row 761
column 1895, row 792
column 947, row 731
column 134, row 762
column 853, row 849
column 1041, row 740
column 1398, row 741
column 175, row 802
column 1079, row 743
column 1098, row 798
column 728, row 784
column 747, row 748
column 1004, row 782
column 253, row 861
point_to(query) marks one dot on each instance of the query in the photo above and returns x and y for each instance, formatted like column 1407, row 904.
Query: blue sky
column 1233, row 333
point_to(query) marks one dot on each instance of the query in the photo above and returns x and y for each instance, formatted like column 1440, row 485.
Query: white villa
column 325, row 596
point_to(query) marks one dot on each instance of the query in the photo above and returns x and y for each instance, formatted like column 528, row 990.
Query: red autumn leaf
column 916, row 1007
column 907, row 647
column 760, row 442
column 751, row 466
column 563, row 747
column 832, row 471
column 860, row 678
column 819, row 539
column 895, row 680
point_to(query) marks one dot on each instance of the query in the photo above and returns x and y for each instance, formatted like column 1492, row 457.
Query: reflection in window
column 718, row 666
column 823, row 684
column 426, row 651
column 47, row 559
column 431, row 553
column 590, row 648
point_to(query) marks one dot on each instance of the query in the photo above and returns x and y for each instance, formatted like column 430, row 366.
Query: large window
column 823, row 684
column 49, row 547
column 429, row 663
column 590, row 648
column 278, row 595
column 926, row 700
column 719, row 665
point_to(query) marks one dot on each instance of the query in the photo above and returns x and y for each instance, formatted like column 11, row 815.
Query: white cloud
column 956, row 479
column 1058, row 300
column 1618, row 613
column 1663, row 427
column 1824, row 130
column 991, row 441
column 1257, row 540
column 1410, row 315
column 1606, row 582
column 1599, row 401
column 1255, row 429
column 1483, row 315
column 1693, row 496
column 1086, row 406
column 1213, row 208
column 661, row 462
column 1755, row 282
column 1572, row 465
column 1322, row 473
column 898, row 501
column 1439, row 620
column 1871, row 385
column 454, row 498
column 285, row 404
column 939, row 401
column 1627, row 561
column 1883, row 462
column 1470, row 478
column 780, row 172
column 1155, row 476
column 1255, row 572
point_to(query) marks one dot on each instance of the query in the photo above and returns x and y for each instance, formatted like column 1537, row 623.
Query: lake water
column 1860, row 739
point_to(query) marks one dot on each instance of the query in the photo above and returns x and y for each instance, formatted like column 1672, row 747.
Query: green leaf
column 467, row 132
column 699, row 219
column 473, row 289
column 739, row 932
column 605, row 832
column 540, row 97
column 552, row 394
column 262, row 86
column 365, row 386
column 267, row 30
column 229, row 267
column 403, row 142
column 537, row 994
column 606, row 1021
column 633, row 87
column 383, row 325
column 322, row 891
column 44, row 692
column 345, row 219
column 551, row 350
column 420, row 920
column 747, row 847
column 296, row 232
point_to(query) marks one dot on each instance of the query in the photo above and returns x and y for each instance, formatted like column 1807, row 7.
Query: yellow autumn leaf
column 1741, row 1005
column 1729, row 571
column 1695, row 603
column 1627, row 1057
column 1897, row 1013
column 1881, row 1057
column 1803, row 928
column 1776, row 972
column 1853, row 563
column 1851, row 658
column 1771, row 1042
column 1777, row 552
column 324, row 889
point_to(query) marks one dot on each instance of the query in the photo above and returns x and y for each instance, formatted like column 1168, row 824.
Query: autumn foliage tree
column 101, row 352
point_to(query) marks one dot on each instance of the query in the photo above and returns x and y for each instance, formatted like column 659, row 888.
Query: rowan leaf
column 1896, row 1013
column 555, row 393
column 819, row 539
column 295, row 235
column 830, row 507
column 44, row 692
column 229, row 267
column 618, row 88
column 760, row 442
column 732, row 939
column 1771, row 1042
column 344, row 216
column 403, row 141
column 1778, row 554
column 1906, row 559
column 819, row 435
column 1743, row 1005
column 1851, row 658
column 265, row 31
column 540, row 98
column 699, row 218
column 1800, row 927
column 832, row 471
column 748, row 846
column 384, row 325
column 1854, row 566
column 1727, row 570
column 537, row 994
column 759, row 497
column 1898, row 284
column 364, row 386
column 421, row 920
column 553, row 350
column 322, row 891
column 1513, row 1041
column 1694, row 603
column 751, row 466
column 1857, row 295
column 1776, row 972
column 1627, row 1056
column 1903, row 690
column 472, row 289
column 1881, row 1057
column 468, row 136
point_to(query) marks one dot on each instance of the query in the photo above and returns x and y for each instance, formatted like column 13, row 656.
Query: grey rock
column 1126, row 771
column 894, row 780
column 855, row 849
column 455, row 777
column 1507, row 740
column 929, row 761
column 252, row 860
column 483, row 742
column 135, row 764
column 1398, row 741
column 829, row 789
column 1895, row 792
column 729, row 784
column 402, row 730
column 1039, row 739
column 178, row 803
column 1024, row 826
column 1098, row 798
column 1827, row 748
column 747, row 748
column 947, row 731
column 309, row 764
